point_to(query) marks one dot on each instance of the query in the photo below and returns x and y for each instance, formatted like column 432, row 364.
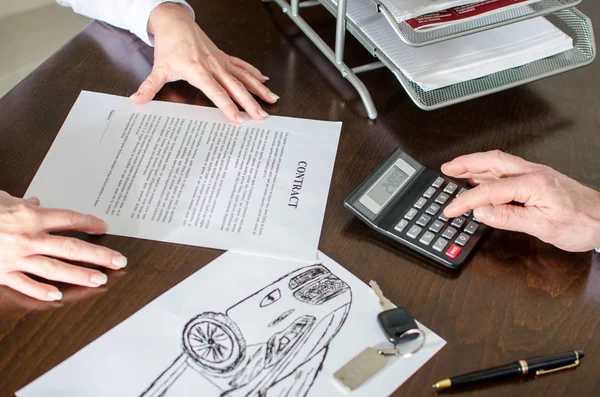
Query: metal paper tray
column 571, row 21
column 418, row 39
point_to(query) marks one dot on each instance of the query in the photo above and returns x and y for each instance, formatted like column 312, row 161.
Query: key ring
column 396, row 352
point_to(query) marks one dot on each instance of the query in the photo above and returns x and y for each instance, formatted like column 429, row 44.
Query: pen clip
column 544, row 372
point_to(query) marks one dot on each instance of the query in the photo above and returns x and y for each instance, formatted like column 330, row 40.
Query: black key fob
column 396, row 322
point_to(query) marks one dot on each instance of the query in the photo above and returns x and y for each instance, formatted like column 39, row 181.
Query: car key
column 361, row 368
column 398, row 326
column 384, row 302
column 394, row 321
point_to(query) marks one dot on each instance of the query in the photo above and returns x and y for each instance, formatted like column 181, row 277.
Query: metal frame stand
column 336, row 57
column 570, row 21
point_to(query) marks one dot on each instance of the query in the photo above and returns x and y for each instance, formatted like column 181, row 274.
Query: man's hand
column 182, row 51
column 556, row 208
column 26, row 247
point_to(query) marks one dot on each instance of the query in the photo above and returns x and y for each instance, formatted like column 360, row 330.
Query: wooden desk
column 517, row 298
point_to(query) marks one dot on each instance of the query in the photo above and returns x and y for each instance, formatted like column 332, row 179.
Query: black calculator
column 405, row 201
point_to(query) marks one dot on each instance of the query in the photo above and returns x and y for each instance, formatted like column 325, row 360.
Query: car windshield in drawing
column 272, row 343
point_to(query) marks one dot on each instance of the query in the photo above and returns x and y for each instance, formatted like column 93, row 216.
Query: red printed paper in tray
column 460, row 14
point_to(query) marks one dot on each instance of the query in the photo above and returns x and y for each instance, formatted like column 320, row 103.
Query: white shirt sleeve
column 131, row 15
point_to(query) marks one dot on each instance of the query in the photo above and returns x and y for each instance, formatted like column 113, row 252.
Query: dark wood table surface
column 516, row 298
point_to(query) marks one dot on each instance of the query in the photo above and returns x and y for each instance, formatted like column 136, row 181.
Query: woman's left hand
column 182, row 51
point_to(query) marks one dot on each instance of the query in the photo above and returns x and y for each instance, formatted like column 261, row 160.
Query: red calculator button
column 453, row 251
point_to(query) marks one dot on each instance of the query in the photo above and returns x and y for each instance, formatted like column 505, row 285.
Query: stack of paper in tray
column 465, row 58
column 406, row 9
column 470, row 57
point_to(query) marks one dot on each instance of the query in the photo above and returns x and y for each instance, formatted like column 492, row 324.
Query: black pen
column 539, row 366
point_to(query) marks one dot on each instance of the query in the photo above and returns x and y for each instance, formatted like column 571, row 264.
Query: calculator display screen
column 387, row 186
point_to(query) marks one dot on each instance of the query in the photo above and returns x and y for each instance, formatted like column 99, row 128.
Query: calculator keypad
column 427, row 225
column 462, row 239
column 410, row 215
column 436, row 226
column 414, row 232
column 449, row 233
column 421, row 203
column 458, row 222
column 433, row 209
column 440, row 244
column 429, row 192
column 423, row 220
column 427, row 238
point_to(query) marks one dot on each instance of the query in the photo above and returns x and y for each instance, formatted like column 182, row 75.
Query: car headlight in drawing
column 272, row 343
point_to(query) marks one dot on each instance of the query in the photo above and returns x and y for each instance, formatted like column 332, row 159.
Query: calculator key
column 449, row 233
column 444, row 218
column 440, row 244
column 427, row 238
column 461, row 191
column 468, row 213
column 420, row 203
column 450, row 188
column 462, row 239
column 453, row 251
column 423, row 220
column 442, row 198
column 429, row 192
column 414, row 231
column 401, row 225
column 436, row 226
column 410, row 215
column 433, row 209
column 459, row 222
column 471, row 228
column 476, row 220
column 438, row 182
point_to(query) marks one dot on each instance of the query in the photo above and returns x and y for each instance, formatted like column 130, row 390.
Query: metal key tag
column 361, row 368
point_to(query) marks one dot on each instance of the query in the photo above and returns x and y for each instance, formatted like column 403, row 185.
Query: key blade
column 384, row 302
column 360, row 369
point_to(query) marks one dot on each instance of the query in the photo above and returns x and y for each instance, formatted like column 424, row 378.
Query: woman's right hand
column 27, row 247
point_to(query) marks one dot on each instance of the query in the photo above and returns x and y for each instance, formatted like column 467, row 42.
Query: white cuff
column 598, row 250
column 140, row 14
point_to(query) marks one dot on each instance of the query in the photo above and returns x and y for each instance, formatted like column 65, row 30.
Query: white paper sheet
column 272, row 322
column 464, row 58
column 183, row 174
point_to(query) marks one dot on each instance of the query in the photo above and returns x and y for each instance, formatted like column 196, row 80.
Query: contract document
column 244, row 325
column 184, row 174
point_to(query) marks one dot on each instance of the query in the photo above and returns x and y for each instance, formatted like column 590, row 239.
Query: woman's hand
column 182, row 51
column 555, row 208
column 27, row 247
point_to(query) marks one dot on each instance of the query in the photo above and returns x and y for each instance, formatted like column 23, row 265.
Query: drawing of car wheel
column 287, row 329
column 215, row 342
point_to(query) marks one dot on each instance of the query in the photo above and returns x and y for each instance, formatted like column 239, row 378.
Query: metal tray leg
column 335, row 57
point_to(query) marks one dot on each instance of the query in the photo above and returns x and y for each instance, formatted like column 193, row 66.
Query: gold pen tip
column 441, row 385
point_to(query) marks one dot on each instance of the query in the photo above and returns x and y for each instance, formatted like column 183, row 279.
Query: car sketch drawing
column 272, row 343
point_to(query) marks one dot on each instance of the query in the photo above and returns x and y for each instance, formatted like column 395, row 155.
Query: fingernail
column 483, row 213
column 452, row 167
column 273, row 97
column 266, row 78
column 119, row 261
column 263, row 113
column 55, row 295
column 239, row 118
column 137, row 94
column 104, row 225
column 99, row 278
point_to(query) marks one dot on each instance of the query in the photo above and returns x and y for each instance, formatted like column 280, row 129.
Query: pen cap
column 554, row 361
